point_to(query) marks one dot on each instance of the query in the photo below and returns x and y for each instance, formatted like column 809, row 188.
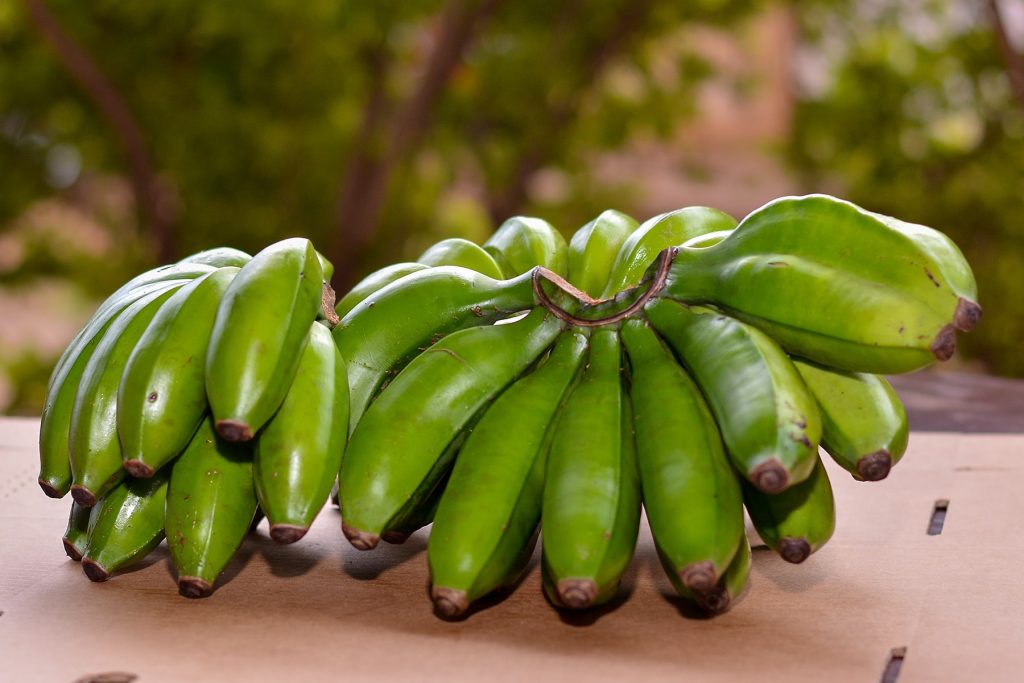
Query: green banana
column 219, row 257
column 707, row 240
column 396, row 448
column 393, row 325
column 175, row 271
column 836, row 284
column 162, row 394
column 864, row 423
column 128, row 524
column 210, row 504
column 768, row 419
column 798, row 521
column 76, row 537
column 373, row 282
column 326, row 267
column 731, row 587
column 261, row 327
column 492, row 505
column 93, row 444
column 693, row 501
column 459, row 252
column 55, row 425
column 299, row 452
column 522, row 242
column 591, row 500
column 594, row 248
column 642, row 247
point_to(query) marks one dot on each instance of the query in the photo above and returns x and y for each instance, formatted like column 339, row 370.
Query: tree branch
column 155, row 202
column 1014, row 60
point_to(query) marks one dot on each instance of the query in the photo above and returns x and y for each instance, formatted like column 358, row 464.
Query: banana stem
column 664, row 262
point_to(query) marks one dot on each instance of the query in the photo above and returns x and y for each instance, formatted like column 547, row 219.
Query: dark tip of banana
column 449, row 602
column 875, row 466
column 49, row 489
column 794, row 550
column 234, row 430
column 83, row 496
column 944, row 345
column 770, row 477
column 194, row 587
column 699, row 576
column 395, row 537
column 714, row 601
column 360, row 540
column 139, row 469
column 94, row 571
column 577, row 593
column 71, row 551
column 967, row 316
column 287, row 533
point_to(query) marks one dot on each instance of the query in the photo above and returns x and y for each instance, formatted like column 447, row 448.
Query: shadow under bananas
column 366, row 566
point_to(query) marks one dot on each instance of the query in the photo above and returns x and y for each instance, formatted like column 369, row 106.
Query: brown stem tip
column 770, row 476
column 194, row 587
column 83, row 496
column 699, row 576
column 449, row 602
column 576, row 593
column 875, row 466
column 50, row 490
column 71, row 551
column 360, row 540
column 94, row 570
column 794, row 550
column 967, row 316
column 234, row 430
column 395, row 537
column 139, row 469
column 944, row 345
column 327, row 303
column 287, row 533
column 714, row 601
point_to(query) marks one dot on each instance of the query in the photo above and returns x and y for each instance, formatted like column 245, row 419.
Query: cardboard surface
column 321, row 610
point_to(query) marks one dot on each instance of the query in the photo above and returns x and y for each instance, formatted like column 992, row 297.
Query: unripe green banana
column 396, row 447
column 175, row 271
column 373, row 282
column 798, row 521
column 128, row 524
column 864, row 423
column 261, row 328
column 459, row 252
column 219, row 257
column 594, row 248
column 162, row 394
column 210, row 504
column 693, row 501
column 768, row 419
column 523, row 242
column 708, row 240
column 591, row 508
column 94, row 447
column 299, row 452
column 326, row 267
column 76, row 537
column 393, row 325
column 654, row 235
column 836, row 284
column 55, row 425
column 490, row 510
column 732, row 585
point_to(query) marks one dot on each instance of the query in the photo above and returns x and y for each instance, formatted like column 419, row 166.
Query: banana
column 128, row 524
column 261, row 327
column 490, row 510
column 798, row 521
column 693, row 501
column 299, row 452
column 836, row 284
column 373, row 282
column 391, row 326
column 397, row 446
column 94, row 447
column 219, row 257
column 768, row 419
column 459, row 252
column 732, row 585
column 162, row 394
column 55, row 425
column 864, row 423
column 210, row 504
column 77, row 534
column 593, row 250
column 591, row 501
column 642, row 247
column 326, row 267
column 707, row 240
column 175, row 271
column 523, row 242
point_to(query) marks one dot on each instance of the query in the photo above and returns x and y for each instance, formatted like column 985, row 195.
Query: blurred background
column 133, row 134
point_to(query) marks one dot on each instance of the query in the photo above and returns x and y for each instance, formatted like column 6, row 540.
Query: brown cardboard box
column 320, row 610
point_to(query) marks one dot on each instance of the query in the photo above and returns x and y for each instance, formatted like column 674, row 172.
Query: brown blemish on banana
column 94, row 570
column 194, row 587
column 360, row 540
column 234, row 430
column 699, row 576
column 770, row 476
column 576, row 593
column 138, row 469
column 875, row 466
column 286, row 533
column 71, row 551
column 944, row 345
column 449, row 602
column 931, row 277
column 794, row 550
column 967, row 316
column 83, row 496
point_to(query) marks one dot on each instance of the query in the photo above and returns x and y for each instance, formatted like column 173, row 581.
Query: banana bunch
column 688, row 367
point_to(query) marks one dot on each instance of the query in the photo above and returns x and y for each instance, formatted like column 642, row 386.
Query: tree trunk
column 1013, row 59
